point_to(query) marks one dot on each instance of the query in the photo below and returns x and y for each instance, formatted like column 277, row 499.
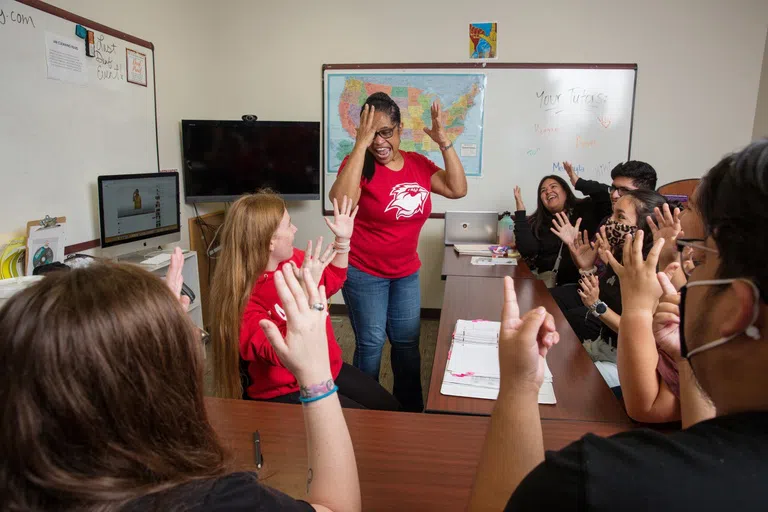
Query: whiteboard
column 56, row 136
column 534, row 117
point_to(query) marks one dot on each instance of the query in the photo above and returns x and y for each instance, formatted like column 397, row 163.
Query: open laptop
column 471, row 227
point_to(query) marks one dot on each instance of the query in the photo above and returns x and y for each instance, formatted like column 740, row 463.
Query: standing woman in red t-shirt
column 392, row 191
column 257, row 240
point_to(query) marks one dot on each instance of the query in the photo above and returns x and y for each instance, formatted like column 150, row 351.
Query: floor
column 346, row 339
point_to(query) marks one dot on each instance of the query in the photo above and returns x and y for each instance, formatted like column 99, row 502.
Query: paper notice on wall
column 45, row 246
column 65, row 58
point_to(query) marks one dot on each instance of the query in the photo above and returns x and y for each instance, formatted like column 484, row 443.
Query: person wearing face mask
column 594, row 308
column 715, row 464
column 542, row 238
column 655, row 379
column 393, row 189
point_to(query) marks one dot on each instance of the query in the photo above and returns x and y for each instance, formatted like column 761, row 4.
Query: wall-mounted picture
column 482, row 40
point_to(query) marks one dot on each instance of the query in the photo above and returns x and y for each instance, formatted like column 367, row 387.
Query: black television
column 223, row 160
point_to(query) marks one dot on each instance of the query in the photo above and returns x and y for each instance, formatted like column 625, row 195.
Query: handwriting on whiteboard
column 604, row 121
column 558, row 167
column 602, row 169
column 543, row 130
column 109, row 67
column 585, row 143
column 16, row 18
column 556, row 102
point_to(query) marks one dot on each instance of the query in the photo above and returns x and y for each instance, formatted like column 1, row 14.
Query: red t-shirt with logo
column 269, row 378
column 394, row 206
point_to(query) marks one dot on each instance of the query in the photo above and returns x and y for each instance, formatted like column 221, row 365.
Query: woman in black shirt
column 536, row 239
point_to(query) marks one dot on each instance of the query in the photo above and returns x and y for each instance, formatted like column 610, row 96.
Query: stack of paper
column 472, row 249
column 473, row 363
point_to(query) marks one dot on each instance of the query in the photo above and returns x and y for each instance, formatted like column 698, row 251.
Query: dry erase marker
column 257, row 450
column 90, row 44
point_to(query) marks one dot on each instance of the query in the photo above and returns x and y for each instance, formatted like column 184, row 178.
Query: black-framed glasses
column 620, row 190
column 691, row 253
column 386, row 133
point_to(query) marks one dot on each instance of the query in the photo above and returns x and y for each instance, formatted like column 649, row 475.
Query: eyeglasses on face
column 620, row 190
column 386, row 133
column 691, row 253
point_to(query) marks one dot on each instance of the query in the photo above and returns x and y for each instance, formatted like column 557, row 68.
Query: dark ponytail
column 382, row 103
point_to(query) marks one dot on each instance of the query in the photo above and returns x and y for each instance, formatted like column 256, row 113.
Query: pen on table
column 257, row 450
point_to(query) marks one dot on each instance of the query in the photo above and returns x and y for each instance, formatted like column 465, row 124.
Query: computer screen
column 136, row 207
column 225, row 159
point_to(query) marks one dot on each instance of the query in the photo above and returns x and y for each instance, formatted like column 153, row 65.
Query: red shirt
column 269, row 377
column 394, row 206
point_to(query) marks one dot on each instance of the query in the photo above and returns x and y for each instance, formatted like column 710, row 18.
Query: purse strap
column 559, row 259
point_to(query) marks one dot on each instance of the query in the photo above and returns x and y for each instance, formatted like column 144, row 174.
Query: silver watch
column 598, row 309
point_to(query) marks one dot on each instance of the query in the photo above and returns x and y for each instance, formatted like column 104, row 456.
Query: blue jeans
column 381, row 308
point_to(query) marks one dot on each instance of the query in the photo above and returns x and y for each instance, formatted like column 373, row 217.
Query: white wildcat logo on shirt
column 408, row 199
column 280, row 312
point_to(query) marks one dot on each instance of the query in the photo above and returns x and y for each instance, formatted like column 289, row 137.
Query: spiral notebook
column 473, row 363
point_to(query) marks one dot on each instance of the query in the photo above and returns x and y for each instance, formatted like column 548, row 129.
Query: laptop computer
column 471, row 227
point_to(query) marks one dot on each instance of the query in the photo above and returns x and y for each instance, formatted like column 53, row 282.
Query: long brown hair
column 101, row 385
column 244, row 238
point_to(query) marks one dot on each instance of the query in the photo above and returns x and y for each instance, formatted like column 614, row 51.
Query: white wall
column 699, row 65
column 760, row 128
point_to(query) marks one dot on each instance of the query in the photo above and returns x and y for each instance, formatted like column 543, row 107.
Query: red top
column 269, row 378
column 394, row 206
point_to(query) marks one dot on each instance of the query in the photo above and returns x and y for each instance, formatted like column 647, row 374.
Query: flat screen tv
column 225, row 159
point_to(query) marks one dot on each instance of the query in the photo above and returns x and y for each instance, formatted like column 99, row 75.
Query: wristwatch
column 598, row 309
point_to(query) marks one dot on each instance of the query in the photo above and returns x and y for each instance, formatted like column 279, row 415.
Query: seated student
column 629, row 216
column 256, row 240
column 653, row 374
column 101, row 384
column 718, row 464
column 536, row 235
column 626, row 176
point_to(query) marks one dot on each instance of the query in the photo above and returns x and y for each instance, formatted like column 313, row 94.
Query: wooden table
column 581, row 392
column 456, row 265
column 405, row 461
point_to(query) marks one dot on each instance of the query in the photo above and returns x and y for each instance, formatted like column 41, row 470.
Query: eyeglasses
column 386, row 133
column 620, row 190
column 691, row 253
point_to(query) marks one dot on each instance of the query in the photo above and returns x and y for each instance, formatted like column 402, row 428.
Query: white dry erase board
column 66, row 118
column 511, row 124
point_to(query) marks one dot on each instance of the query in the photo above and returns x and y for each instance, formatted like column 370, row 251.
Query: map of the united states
column 460, row 96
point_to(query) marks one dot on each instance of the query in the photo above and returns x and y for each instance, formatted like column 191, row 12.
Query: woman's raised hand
column 582, row 252
column 366, row 131
column 437, row 132
column 519, row 204
column 563, row 228
column 304, row 349
column 343, row 219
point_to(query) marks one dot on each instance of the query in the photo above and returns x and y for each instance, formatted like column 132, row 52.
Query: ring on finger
column 318, row 306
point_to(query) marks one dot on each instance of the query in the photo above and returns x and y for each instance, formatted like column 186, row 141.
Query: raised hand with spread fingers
column 563, row 228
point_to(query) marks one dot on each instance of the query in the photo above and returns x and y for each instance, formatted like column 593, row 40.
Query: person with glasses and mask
column 393, row 190
column 655, row 379
column 715, row 464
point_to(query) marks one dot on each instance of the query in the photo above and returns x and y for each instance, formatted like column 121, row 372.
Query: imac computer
column 138, row 212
